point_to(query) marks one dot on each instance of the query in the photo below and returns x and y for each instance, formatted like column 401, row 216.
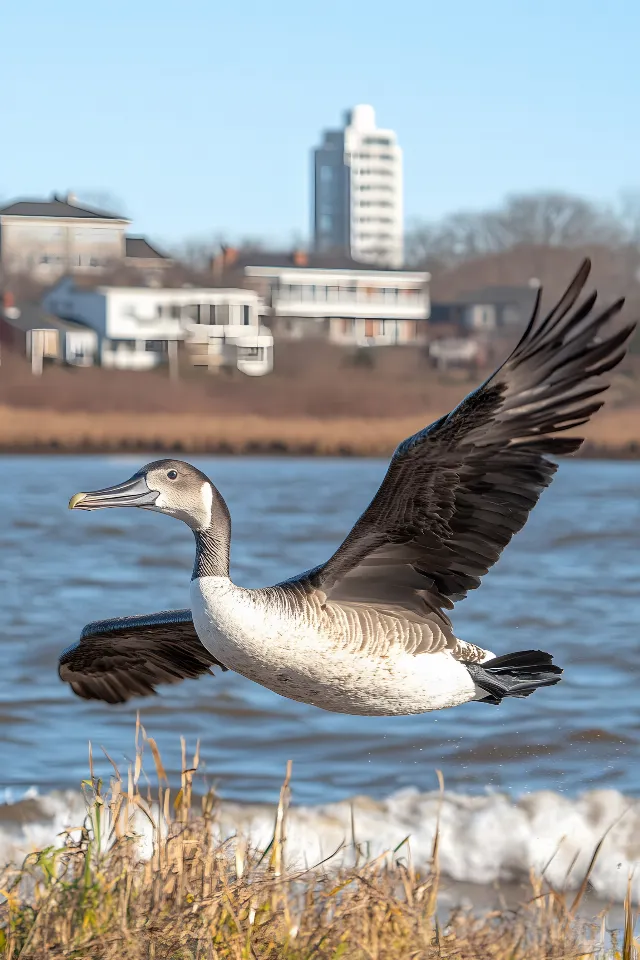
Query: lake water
column 564, row 762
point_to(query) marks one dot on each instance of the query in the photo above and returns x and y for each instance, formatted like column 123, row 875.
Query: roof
column 34, row 317
column 499, row 295
column 55, row 208
column 140, row 249
column 31, row 316
column 313, row 261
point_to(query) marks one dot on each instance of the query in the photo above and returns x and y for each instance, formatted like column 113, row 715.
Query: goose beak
column 131, row 493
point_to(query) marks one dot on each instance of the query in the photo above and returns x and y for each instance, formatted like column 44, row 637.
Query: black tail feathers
column 514, row 675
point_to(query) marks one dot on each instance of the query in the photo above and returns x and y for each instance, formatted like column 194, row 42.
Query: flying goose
column 368, row 632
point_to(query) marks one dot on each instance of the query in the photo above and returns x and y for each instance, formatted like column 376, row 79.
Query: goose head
column 166, row 486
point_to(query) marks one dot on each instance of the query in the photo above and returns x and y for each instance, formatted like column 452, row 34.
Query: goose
column 368, row 632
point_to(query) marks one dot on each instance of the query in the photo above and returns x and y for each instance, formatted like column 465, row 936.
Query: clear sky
column 200, row 115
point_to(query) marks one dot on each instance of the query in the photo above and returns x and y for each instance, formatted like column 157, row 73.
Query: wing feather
column 457, row 491
column 115, row 660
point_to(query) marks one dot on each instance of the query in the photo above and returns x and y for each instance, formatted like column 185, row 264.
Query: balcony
column 357, row 302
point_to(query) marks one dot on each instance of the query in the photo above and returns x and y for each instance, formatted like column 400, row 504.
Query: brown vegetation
column 320, row 400
column 614, row 433
column 202, row 898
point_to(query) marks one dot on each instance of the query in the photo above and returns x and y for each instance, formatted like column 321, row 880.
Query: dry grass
column 94, row 896
column 614, row 432
column 315, row 402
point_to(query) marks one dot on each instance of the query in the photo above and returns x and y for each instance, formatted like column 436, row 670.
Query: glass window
column 246, row 314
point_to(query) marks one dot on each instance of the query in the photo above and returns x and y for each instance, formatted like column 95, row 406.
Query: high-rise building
column 357, row 203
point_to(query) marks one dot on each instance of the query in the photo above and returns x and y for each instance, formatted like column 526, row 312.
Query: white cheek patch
column 206, row 494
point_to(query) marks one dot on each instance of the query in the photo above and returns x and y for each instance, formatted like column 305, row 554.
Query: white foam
column 483, row 839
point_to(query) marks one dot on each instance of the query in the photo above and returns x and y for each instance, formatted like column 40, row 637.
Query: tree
column 537, row 219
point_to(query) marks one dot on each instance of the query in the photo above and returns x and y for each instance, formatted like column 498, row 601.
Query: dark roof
column 314, row 261
column 55, row 208
column 500, row 296
column 34, row 317
column 140, row 249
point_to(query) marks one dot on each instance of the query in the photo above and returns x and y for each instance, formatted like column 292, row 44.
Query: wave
column 483, row 839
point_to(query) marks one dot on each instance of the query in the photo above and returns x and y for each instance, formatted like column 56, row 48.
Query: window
column 155, row 346
column 326, row 174
column 255, row 353
column 176, row 311
column 246, row 314
column 192, row 312
column 377, row 141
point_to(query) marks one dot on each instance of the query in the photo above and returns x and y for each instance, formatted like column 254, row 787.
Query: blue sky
column 200, row 116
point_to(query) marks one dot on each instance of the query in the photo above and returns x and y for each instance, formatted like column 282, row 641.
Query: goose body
column 368, row 632
column 346, row 660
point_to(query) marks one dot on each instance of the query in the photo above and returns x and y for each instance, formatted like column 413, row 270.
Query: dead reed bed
column 186, row 893
column 614, row 432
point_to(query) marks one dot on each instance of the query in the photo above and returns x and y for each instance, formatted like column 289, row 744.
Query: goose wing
column 456, row 492
column 115, row 660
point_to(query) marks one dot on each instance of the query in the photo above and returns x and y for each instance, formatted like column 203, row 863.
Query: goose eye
column 172, row 474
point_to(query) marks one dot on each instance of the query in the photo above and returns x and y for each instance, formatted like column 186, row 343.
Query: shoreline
column 588, row 452
column 614, row 434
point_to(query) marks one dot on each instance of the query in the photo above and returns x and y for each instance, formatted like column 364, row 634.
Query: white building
column 347, row 305
column 137, row 325
column 357, row 205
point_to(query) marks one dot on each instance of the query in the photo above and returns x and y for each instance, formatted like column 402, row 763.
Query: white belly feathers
column 298, row 660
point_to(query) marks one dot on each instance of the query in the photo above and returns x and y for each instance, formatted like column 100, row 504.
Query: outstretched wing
column 456, row 492
column 115, row 660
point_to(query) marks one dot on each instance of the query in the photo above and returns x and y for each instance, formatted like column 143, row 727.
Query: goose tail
column 513, row 675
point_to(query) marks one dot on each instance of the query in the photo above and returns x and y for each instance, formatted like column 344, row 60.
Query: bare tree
column 537, row 219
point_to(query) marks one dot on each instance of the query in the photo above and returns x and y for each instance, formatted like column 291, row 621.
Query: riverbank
column 614, row 433
column 151, row 874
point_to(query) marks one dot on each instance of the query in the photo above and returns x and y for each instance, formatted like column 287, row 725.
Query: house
column 49, row 238
column 336, row 298
column 146, row 259
column 446, row 352
column 28, row 328
column 492, row 309
column 138, row 327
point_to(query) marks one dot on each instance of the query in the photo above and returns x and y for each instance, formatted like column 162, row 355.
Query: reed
column 614, row 432
column 187, row 892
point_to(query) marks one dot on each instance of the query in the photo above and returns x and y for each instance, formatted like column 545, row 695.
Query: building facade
column 357, row 191
column 343, row 301
column 50, row 238
column 137, row 326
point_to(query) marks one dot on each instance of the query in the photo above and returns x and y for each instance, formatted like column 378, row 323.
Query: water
column 569, row 583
